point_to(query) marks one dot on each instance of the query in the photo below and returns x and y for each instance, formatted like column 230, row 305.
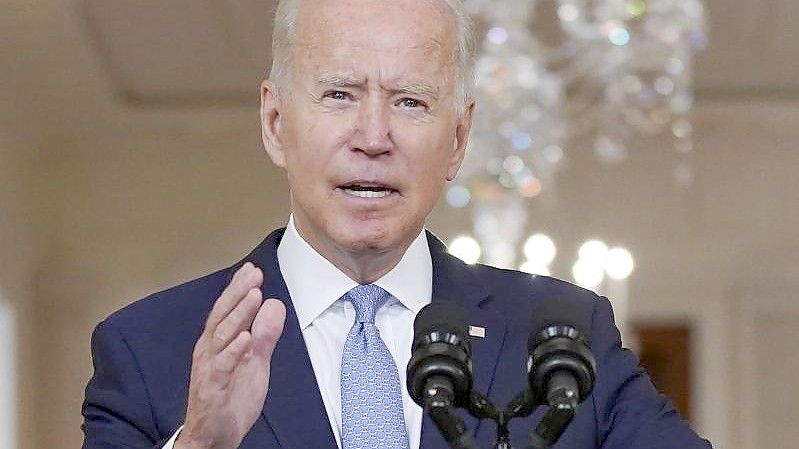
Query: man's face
column 367, row 126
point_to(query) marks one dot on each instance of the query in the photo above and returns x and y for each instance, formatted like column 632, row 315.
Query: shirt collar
column 315, row 284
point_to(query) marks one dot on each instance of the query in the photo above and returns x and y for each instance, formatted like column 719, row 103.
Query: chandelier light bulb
column 568, row 12
column 553, row 154
column 588, row 273
column 636, row 7
column 458, row 196
column 619, row 264
column 619, row 36
column 664, row 85
column 497, row 35
column 594, row 251
column 539, row 249
column 466, row 249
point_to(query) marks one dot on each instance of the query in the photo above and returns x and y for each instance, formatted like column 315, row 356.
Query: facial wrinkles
column 324, row 24
column 385, row 79
column 321, row 33
column 334, row 80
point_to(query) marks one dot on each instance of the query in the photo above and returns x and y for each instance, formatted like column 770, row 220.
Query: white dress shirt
column 316, row 288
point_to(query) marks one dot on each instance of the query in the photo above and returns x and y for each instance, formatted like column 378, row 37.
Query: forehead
column 356, row 35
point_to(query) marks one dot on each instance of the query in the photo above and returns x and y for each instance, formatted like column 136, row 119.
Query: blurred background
column 130, row 161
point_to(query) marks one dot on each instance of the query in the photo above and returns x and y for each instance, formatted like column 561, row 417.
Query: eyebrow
column 337, row 80
column 420, row 89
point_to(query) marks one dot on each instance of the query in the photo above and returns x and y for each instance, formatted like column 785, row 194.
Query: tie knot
column 366, row 299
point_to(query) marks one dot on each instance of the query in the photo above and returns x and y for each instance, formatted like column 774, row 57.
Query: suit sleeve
column 117, row 411
column 630, row 413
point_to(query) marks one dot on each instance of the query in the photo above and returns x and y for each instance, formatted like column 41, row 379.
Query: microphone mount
column 561, row 373
column 560, row 412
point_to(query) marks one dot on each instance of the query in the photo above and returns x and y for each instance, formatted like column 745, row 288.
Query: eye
column 339, row 95
column 411, row 103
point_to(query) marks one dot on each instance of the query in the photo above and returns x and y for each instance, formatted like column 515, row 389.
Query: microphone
column 560, row 365
column 440, row 370
column 561, row 368
column 441, row 354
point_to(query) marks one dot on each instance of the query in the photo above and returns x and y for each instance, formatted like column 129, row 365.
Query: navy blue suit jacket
column 142, row 361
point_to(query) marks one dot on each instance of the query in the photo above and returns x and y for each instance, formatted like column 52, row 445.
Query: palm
column 250, row 381
column 231, row 364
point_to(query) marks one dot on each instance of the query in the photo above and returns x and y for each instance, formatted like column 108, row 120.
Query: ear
column 270, row 123
column 459, row 144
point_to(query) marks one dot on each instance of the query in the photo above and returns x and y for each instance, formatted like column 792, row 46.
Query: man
column 368, row 110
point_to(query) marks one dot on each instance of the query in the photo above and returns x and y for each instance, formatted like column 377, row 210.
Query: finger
column 267, row 328
column 226, row 361
column 246, row 278
column 239, row 319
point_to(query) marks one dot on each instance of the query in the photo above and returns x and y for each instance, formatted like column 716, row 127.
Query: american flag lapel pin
column 477, row 331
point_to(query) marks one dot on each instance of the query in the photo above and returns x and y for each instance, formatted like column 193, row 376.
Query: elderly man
column 368, row 110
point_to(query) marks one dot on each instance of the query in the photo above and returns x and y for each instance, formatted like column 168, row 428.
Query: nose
column 373, row 130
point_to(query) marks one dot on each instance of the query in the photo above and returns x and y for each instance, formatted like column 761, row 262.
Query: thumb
column 267, row 327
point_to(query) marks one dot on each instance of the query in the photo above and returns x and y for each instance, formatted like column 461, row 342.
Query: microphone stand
column 563, row 406
column 560, row 413
column 439, row 405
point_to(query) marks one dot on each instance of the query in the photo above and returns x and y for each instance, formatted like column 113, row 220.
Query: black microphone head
column 443, row 317
column 559, row 342
column 440, row 352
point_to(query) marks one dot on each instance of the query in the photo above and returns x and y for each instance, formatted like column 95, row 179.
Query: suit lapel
column 293, row 407
column 455, row 281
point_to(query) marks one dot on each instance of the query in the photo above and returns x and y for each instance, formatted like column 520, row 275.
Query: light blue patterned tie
column 371, row 401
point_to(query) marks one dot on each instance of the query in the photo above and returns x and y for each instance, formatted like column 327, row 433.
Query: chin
column 366, row 240
column 370, row 236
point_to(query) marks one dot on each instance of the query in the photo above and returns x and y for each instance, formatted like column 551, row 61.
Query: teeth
column 367, row 193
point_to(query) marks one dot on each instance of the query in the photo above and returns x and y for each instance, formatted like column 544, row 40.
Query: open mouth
column 367, row 190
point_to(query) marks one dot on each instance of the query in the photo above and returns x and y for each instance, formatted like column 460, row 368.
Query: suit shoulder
column 503, row 279
column 187, row 302
column 519, row 294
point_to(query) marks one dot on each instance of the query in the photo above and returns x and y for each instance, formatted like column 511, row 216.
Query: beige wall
column 139, row 211
column 22, row 236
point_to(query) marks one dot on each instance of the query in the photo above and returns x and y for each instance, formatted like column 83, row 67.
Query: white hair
column 285, row 29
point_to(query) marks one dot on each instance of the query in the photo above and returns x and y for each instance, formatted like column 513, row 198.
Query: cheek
column 313, row 145
column 432, row 159
column 427, row 171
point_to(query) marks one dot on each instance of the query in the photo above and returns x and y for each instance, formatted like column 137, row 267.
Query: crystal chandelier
column 607, row 71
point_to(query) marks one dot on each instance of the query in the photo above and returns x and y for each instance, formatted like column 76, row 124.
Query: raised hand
column 230, row 364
